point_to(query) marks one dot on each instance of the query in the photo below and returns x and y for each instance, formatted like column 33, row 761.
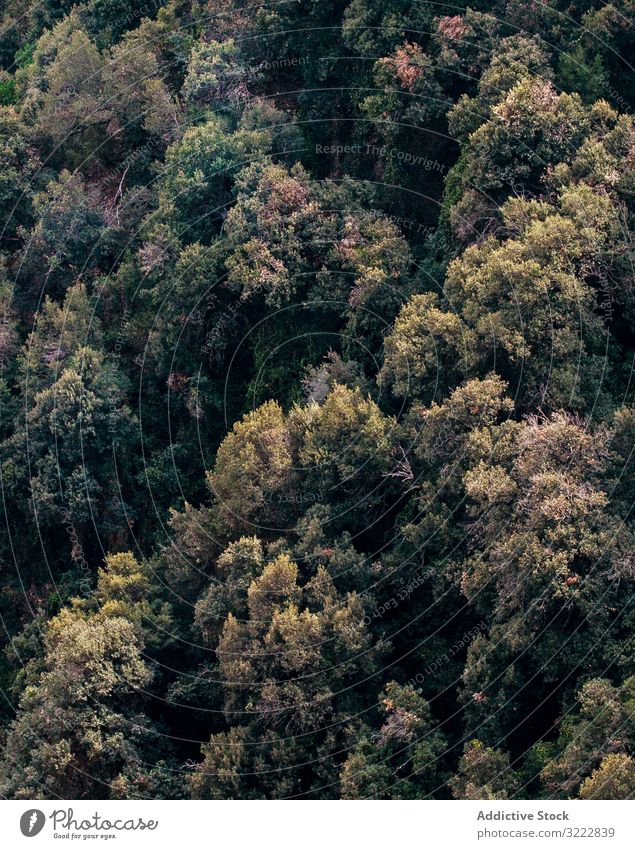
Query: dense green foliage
column 317, row 412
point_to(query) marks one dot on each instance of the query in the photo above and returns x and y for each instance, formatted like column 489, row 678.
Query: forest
column 317, row 404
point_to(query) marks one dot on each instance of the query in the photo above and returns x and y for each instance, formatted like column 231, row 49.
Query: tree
column 76, row 728
column 484, row 773
column 236, row 568
column 595, row 745
column 70, row 238
column 532, row 133
column 528, row 301
column 60, row 331
column 64, row 96
column 60, row 462
column 218, row 76
column 614, row 779
column 19, row 168
column 403, row 760
column 284, row 670
column 348, row 451
column 129, row 590
column 428, row 351
column 200, row 169
column 280, row 225
column 138, row 99
column 254, row 463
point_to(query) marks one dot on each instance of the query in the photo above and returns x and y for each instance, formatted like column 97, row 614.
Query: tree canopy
column 317, row 414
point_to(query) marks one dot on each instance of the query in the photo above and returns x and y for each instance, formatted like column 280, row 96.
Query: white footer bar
column 317, row 825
